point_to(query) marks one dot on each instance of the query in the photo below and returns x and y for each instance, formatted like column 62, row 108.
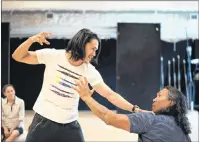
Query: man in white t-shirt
column 57, row 104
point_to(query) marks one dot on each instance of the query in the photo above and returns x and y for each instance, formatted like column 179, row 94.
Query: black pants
column 45, row 130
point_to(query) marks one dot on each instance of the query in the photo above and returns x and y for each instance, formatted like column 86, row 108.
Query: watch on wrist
column 134, row 107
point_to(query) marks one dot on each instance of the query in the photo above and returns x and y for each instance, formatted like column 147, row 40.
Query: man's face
column 90, row 49
column 9, row 93
column 161, row 102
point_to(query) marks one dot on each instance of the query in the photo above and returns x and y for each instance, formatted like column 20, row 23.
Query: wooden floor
column 93, row 128
column 96, row 130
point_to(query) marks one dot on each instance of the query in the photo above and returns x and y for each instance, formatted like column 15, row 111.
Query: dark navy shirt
column 156, row 128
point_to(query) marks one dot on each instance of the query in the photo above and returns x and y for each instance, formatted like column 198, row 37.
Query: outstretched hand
column 82, row 88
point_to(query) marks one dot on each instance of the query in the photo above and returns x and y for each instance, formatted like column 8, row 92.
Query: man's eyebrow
column 95, row 47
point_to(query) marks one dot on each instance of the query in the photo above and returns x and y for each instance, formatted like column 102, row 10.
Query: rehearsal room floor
column 96, row 130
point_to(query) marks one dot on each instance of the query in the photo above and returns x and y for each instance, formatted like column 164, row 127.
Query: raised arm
column 112, row 96
column 135, row 122
column 120, row 121
column 22, row 53
column 110, row 118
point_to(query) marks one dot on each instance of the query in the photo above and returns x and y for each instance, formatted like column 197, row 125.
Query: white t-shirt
column 57, row 101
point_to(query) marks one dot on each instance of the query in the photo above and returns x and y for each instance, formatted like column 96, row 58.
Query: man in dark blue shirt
column 168, row 123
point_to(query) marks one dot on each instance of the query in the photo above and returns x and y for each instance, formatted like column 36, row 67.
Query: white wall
column 65, row 24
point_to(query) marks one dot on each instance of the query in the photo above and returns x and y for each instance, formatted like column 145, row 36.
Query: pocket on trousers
column 74, row 125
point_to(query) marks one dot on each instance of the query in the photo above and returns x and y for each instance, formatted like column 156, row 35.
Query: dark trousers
column 45, row 130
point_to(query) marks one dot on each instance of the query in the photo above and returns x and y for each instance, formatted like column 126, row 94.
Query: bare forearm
column 100, row 111
column 22, row 50
column 120, row 102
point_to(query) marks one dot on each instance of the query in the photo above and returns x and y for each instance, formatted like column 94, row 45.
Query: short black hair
column 76, row 45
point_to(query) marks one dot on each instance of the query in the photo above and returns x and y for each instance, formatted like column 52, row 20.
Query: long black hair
column 77, row 44
column 179, row 109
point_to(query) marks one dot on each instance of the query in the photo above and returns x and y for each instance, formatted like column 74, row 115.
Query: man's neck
column 75, row 63
column 72, row 62
column 169, row 111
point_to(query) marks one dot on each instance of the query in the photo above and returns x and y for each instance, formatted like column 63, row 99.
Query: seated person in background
column 12, row 114
column 168, row 124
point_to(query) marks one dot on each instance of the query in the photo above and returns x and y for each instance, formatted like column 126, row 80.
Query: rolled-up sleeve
column 140, row 122
column 22, row 111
